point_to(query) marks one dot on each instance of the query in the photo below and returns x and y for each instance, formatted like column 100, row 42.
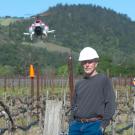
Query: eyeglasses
column 88, row 61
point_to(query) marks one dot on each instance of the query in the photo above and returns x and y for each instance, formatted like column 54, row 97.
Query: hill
column 51, row 47
column 77, row 26
column 85, row 25
column 6, row 21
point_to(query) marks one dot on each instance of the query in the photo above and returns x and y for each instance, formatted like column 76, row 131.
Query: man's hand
column 103, row 130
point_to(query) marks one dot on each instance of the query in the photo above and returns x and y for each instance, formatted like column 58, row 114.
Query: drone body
column 38, row 29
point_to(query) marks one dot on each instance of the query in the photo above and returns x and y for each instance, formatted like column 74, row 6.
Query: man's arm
column 110, row 105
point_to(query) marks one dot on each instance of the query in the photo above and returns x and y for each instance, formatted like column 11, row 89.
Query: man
column 93, row 103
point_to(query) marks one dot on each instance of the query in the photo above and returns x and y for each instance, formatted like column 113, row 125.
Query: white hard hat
column 88, row 53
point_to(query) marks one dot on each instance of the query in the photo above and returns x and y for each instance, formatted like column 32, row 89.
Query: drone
column 38, row 29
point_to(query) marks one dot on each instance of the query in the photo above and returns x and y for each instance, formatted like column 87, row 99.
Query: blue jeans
column 85, row 128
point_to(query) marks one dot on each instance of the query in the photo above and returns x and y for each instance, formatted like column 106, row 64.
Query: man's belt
column 88, row 119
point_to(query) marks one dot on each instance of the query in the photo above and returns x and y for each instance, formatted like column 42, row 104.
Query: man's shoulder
column 101, row 75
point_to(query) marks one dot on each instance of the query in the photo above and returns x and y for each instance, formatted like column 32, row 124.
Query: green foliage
column 6, row 70
column 20, row 57
column 110, row 33
column 62, row 70
column 106, row 63
column 79, row 69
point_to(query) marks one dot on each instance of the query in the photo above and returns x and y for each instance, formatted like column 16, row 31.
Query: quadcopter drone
column 38, row 29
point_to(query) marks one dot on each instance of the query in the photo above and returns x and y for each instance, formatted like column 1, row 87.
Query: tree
column 62, row 70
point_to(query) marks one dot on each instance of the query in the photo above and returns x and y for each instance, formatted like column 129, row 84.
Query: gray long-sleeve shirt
column 94, row 96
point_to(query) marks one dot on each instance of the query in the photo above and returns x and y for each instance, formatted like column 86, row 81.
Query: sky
column 26, row 8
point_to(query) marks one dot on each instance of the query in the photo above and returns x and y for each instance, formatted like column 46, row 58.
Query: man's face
column 89, row 67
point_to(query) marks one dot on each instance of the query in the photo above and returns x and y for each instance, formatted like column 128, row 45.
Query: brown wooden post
column 38, row 82
column 52, row 82
column 70, row 74
column 130, row 84
column 13, row 84
column 133, row 132
column 38, row 91
column 32, row 87
column 41, row 84
column 5, row 84
column 19, row 81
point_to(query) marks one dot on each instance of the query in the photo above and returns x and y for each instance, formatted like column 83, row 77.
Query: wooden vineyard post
column 38, row 91
column 134, row 118
column 70, row 73
column 52, row 121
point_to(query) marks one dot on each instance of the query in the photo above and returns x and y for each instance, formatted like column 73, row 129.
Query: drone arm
column 26, row 33
column 50, row 31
